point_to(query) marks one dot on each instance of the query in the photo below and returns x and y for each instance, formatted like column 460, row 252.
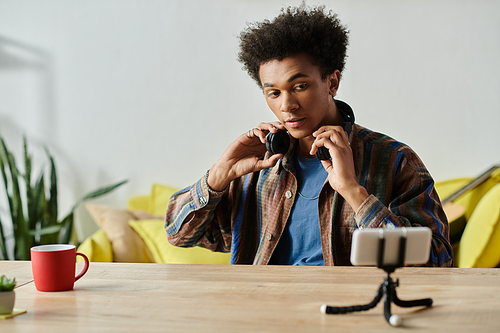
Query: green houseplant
column 32, row 204
column 7, row 294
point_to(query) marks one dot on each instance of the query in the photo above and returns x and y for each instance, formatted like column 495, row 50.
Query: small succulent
column 7, row 284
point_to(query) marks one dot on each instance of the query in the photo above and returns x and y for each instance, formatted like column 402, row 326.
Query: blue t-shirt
column 300, row 243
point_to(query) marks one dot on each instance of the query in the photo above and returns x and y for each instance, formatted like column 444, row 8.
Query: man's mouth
column 295, row 122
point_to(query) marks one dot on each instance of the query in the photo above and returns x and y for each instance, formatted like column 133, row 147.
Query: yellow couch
column 479, row 245
column 136, row 234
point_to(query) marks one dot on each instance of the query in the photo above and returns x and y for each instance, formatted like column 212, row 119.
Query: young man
column 293, row 208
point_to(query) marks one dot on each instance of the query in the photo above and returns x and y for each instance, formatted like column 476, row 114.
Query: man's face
column 297, row 95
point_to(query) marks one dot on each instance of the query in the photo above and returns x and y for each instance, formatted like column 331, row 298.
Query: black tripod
column 387, row 290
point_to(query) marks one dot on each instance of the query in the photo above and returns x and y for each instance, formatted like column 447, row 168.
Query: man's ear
column 333, row 80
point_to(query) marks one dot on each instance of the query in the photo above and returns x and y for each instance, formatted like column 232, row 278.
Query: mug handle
column 85, row 268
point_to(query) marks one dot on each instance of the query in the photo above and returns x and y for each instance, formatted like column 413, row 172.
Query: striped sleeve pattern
column 190, row 213
column 411, row 200
column 248, row 218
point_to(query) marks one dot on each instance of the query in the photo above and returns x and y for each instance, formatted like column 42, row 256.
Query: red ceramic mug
column 54, row 266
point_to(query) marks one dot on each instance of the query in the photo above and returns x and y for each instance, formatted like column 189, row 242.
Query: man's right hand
column 244, row 156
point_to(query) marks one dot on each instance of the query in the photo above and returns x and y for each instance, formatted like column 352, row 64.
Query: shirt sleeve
column 416, row 204
column 195, row 217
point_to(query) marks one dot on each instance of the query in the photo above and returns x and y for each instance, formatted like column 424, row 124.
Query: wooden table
column 115, row 297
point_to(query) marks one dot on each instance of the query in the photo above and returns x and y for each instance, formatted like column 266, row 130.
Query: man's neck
column 305, row 144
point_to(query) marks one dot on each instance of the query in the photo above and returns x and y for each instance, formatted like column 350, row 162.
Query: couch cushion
column 470, row 199
column 155, row 237
column 480, row 243
column 139, row 202
column 126, row 244
column 97, row 248
column 160, row 195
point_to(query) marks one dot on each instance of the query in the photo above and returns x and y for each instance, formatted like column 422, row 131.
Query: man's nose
column 288, row 102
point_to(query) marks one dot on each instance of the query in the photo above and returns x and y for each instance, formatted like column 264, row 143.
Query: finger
column 344, row 135
column 278, row 125
column 264, row 128
column 336, row 135
column 335, row 138
column 267, row 163
column 320, row 130
column 323, row 129
column 334, row 147
column 328, row 165
column 325, row 141
column 271, row 127
column 256, row 132
column 270, row 162
column 260, row 133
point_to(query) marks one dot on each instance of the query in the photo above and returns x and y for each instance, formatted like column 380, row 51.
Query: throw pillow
column 160, row 194
column 127, row 245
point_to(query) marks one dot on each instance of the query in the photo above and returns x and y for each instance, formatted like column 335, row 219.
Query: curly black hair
column 295, row 30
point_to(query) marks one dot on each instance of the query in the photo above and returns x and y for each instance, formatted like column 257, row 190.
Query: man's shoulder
column 368, row 136
column 371, row 143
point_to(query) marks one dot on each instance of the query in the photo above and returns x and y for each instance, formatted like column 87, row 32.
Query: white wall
column 151, row 91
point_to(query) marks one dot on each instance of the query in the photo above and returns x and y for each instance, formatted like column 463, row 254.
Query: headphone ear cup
column 269, row 140
column 277, row 143
column 322, row 154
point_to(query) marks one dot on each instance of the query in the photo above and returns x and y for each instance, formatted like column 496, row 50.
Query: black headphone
column 279, row 142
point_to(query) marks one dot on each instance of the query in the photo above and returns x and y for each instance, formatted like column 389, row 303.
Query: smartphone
column 365, row 249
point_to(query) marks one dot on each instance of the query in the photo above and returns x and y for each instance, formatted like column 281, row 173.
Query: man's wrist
column 215, row 181
column 356, row 196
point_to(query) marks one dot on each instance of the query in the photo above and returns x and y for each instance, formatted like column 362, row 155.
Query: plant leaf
column 45, row 231
column 39, row 198
column 3, row 168
column 23, row 239
column 66, row 228
column 103, row 190
column 52, row 201
column 7, row 284
column 31, row 205
column 99, row 192
column 3, row 162
column 3, row 245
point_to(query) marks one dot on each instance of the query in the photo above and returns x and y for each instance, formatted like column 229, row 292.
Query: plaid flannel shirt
column 248, row 218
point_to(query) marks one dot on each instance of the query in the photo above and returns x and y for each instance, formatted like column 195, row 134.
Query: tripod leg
column 347, row 309
column 412, row 303
column 389, row 295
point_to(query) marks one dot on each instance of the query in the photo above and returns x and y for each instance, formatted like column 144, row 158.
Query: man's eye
column 301, row 86
column 273, row 94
